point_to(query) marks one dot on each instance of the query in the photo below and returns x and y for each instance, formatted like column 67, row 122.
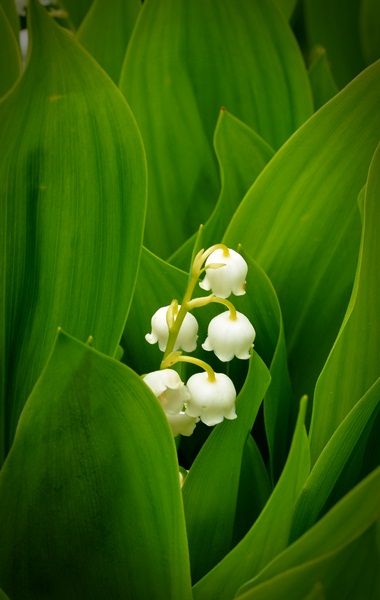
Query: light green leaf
column 343, row 524
column 197, row 57
column 321, row 79
column 300, row 221
column 344, row 448
column 369, row 29
column 334, row 25
column 73, row 186
column 354, row 362
column 105, row 32
column 269, row 535
column 241, row 154
column 10, row 58
column 91, row 483
column 349, row 572
column 215, row 474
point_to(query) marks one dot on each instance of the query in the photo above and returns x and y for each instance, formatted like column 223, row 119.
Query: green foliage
column 182, row 125
column 94, row 451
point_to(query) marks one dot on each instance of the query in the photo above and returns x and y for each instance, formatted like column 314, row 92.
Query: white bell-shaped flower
column 170, row 390
column 187, row 337
column 182, row 424
column 229, row 337
column 212, row 401
column 227, row 279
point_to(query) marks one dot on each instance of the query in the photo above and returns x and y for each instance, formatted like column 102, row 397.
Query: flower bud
column 227, row 279
column 229, row 337
column 211, row 400
column 187, row 336
column 167, row 386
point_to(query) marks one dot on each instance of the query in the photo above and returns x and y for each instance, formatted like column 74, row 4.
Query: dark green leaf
column 269, row 535
column 321, row 79
column 90, row 503
column 354, row 363
column 73, row 187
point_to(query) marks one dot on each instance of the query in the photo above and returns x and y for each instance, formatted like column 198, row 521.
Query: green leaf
column 349, row 572
column 198, row 57
column 269, row 535
column 260, row 304
column 344, row 448
column 242, row 154
column 215, row 473
column 105, row 32
column 91, row 483
column 77, row 10
column 321, row 78
column 354, row 362
column 369, row 30
column 73, row 185
column 334, row 25
column 287, row 7
column 158, row 283
column 9, row 8
column 352, row 517
column 10, row 58
column 300, row 221
column 254, row 490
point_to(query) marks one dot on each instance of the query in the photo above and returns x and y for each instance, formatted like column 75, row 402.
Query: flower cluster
column 207, row 396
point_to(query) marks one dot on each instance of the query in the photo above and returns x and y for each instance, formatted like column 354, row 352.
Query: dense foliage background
column 124, row 130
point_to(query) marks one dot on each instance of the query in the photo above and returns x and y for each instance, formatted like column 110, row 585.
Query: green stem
column 176, row 357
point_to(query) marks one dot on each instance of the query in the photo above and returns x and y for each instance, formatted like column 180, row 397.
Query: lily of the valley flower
column 211, row 400
column 227, row 279
column 182, row 424
column 187, row 336
column 170, row 390
column 172, row 394
column 230, row 336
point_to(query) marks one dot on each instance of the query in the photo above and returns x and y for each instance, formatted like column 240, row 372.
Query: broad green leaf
column 354, row 363
column 91, row 483
column 241, row 154
column 105, row 32
column 344, row 447
column 269, row 535
column 10, row 58
column 300, row 221
column 321, row 79
column 341, row 526
column 369, row 30
column 197, row 57
column 335, row 26
column 77, row 10
column 254, row 489
column 9, row 8
column 349, row 572
column 73, row 187
column 215, row 474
